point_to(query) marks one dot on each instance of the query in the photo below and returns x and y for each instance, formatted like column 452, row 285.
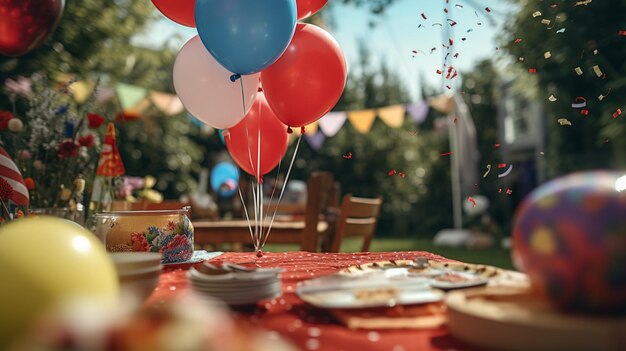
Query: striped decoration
column 10, row 173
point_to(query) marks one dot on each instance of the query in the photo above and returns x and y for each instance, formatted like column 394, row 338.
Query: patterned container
column 168, row 232
column 569, row 236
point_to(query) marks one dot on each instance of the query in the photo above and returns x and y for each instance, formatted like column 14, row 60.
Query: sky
column 396, row 35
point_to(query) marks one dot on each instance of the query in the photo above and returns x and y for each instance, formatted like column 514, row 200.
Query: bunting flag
column 167, row 103
column 11, row 174
column 362, row 120
column 130, row 95
column 315, row 140
column 393, row 116
column 443, row 103
column 110, row 163
column 332, row 123
column 418, row 112
column 81, row 90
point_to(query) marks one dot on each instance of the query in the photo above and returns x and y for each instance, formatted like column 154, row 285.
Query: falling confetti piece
column 348, row 155
column 578, row 71
column 595, row 52
column 562, row 30
column 506, row 173
column 487, row 172
column 470, row 199
column 622, row 33
column 501, row 165
column 585, row 2
column 552, row 98
column 487, row 9
column 392, row 172
column 445, row 154
column 517, row 41
column 602, row 96
column 496, row 146
column 580, row 102
column 424, row 16
column 617, row 113
column 598, row 71
column 541, row 153
column 536, row 14
column 509, row 191
column 546, row 22
column 547, row 55
column 532, row 70
column 584, row 112
column 402, row 175
column 564, row 122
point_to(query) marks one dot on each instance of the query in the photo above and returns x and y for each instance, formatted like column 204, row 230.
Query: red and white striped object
column 10, row 173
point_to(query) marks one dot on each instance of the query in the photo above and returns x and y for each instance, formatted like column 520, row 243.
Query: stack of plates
column 235, row 285
column 138, row 272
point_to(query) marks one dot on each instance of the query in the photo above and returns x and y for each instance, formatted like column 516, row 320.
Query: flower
column 38, row 165
column 30, row 183
column 24, row 155
column 87, row 140
column 5, row 117
column 94, row 120
column 140, row 243
column 68, row 148
column 15, row 125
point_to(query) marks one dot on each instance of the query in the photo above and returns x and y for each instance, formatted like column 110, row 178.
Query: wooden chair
column 307, row 232
column 358, row 217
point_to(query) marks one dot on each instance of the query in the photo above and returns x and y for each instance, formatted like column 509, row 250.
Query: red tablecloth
column 307, row 327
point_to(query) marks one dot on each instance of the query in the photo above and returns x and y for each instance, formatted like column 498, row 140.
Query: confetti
column 584, row 112
column 580, row 102
column 348, row 155
column 496, row 146
column 424, row 16
column 392, row 172
column 501, row 165
column 622, row 33
column 546, row 22
column 445, row 154
column 402, row 175
column 536, row 14
column 598, row 71
column 602, row 96
column 562, row 30
column 506, row 173
column 617, row 113
column 517, row 41
column 532, row 70
column 487, row 9
column 564, row 122
column 509, row 191
column 552, row 98
column 470, row 199
column 585, row 2
column 547, row 55
column 578, row 71
column 488, row 170
column 451, row 22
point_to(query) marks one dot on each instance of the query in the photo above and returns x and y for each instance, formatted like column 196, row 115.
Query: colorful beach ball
column 569, row 236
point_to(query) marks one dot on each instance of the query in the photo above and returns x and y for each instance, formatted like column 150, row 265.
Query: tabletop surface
column 307, row 327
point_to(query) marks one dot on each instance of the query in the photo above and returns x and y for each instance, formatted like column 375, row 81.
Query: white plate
column 347, row 298
column 474, row 281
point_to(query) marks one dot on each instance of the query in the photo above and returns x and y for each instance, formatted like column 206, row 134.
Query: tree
column 581, row 37
column 378, row 152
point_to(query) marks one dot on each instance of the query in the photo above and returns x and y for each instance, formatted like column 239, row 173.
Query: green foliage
column 587, row 29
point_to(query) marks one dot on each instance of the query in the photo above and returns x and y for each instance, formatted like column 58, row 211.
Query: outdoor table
column 308, row 327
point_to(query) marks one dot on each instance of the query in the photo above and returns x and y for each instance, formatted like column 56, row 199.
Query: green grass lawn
column 496, row 256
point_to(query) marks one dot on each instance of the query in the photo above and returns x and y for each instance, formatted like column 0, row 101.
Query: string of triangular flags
column 363, row 120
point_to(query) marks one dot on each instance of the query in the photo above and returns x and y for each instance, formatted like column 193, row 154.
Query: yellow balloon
column 45, row 261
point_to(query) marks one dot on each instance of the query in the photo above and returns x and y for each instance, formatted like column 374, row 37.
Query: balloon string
column 267, row 210
column 282, row 191
column 245, row 210
column 258, row 180
column 243, row 104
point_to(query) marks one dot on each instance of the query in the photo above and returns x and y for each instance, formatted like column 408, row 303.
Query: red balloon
column 179, row 11
column 242, row 141
column 306, row 8
column 25, row 24
column 308, row 79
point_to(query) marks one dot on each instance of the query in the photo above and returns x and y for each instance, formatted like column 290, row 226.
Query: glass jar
column 168, row 232
column 75, row 215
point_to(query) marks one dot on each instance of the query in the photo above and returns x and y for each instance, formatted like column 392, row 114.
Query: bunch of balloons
column 243, row 45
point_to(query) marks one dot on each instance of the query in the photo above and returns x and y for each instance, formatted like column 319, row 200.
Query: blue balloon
column 246, row 36
column 225, row 179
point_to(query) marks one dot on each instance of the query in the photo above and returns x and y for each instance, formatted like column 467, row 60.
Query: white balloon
column 206, row 90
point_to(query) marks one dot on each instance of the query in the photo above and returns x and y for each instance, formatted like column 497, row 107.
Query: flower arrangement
column 55, row 141
column 133, row 189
